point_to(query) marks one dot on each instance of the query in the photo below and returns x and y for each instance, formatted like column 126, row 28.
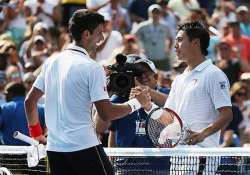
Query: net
column 14, row 158
column 180, row 161
column 148, row 161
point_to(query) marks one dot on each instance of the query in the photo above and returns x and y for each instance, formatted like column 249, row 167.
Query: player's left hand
column 195, row 137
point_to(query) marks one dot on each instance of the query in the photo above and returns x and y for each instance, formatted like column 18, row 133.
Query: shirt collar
column 73, row 46
column 201, row 66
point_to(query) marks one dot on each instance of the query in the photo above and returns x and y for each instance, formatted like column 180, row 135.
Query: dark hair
column 196, row 30
column 15, row 89
column 84, row 20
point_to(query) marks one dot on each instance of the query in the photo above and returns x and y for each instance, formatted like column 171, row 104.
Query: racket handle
column 27, row 139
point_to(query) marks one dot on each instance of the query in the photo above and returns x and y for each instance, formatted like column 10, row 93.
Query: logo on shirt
column 222, row 84
column 195, row 81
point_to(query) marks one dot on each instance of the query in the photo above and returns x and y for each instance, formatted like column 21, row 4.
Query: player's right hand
column 42, row 139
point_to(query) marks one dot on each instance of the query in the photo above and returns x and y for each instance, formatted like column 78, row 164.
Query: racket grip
column 27, row 139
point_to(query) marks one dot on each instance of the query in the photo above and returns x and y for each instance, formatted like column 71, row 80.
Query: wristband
column 134, row 105
column 154, row 106
column 35, row 130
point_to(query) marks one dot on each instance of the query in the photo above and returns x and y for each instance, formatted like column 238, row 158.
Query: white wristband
column 134, row 104
column 152, row 108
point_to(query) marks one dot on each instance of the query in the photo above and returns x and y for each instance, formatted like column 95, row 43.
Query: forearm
column 31, row 112
column 109, row 111
column 111, row 139
column 224, row 118
column 31, row 106
column 158, row 97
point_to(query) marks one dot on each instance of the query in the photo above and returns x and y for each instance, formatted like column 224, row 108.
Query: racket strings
column 156, row 126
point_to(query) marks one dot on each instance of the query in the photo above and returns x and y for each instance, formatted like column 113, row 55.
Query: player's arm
column 224, row 118
column 157, row 97
column 32, row 114
column 109, row 111
column 111, row 139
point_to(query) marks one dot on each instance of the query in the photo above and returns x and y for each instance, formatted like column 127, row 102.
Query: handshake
column 140, row 98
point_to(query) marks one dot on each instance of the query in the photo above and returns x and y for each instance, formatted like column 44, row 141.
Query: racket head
column 164, row 128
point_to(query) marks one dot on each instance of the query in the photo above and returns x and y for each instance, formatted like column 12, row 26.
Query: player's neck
column 195, row 61
column 82, row 45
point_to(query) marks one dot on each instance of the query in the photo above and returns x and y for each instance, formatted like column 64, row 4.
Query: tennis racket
column 165, row 128
column 35, row 152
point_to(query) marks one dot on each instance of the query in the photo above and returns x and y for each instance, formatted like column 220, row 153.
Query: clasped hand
column 142, row 94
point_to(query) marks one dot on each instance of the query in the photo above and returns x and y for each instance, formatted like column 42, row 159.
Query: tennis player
column 72, row 82
column 200, row 95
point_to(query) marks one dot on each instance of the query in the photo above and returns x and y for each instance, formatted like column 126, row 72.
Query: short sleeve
column 170, row 103
column 97, row 84
column 40, row 80
column 218, row 89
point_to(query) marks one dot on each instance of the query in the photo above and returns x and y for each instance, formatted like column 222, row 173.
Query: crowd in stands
column 33, row 30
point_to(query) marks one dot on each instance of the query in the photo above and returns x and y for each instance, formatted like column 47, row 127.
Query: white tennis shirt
column 196, row 95
column 71, row 81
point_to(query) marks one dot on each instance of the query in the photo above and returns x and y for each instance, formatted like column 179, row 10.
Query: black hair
column 3, row 61
column 15, row 89
column 84, row 20
column 195, row 30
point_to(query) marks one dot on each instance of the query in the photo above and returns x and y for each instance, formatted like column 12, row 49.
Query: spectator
column 130, row 130
column 231, row 134
column 43, row 10
column 69, row 7
column 169, row 17
column 240, row 44
column 119, row 16
column 112, row 40
column 39, row 28
column 39, row 50
column 223, row 14
column 130, row 46
column 165, row 79
column 232, row 67
column 12, row 116
column 16, row 21
column 138, row 10
column 239, row 94
column 244, row 19
column 155, row 38
column 14, row 66
column 183, row 7
column 95, row 5
column 28, row 80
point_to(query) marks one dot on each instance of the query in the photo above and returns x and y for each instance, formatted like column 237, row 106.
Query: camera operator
column 130, row 131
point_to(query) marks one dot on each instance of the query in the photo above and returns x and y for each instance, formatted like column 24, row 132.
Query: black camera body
column 122, row 76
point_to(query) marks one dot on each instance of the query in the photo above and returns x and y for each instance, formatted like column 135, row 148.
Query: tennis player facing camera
column 71, row 82
column 200, row 95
